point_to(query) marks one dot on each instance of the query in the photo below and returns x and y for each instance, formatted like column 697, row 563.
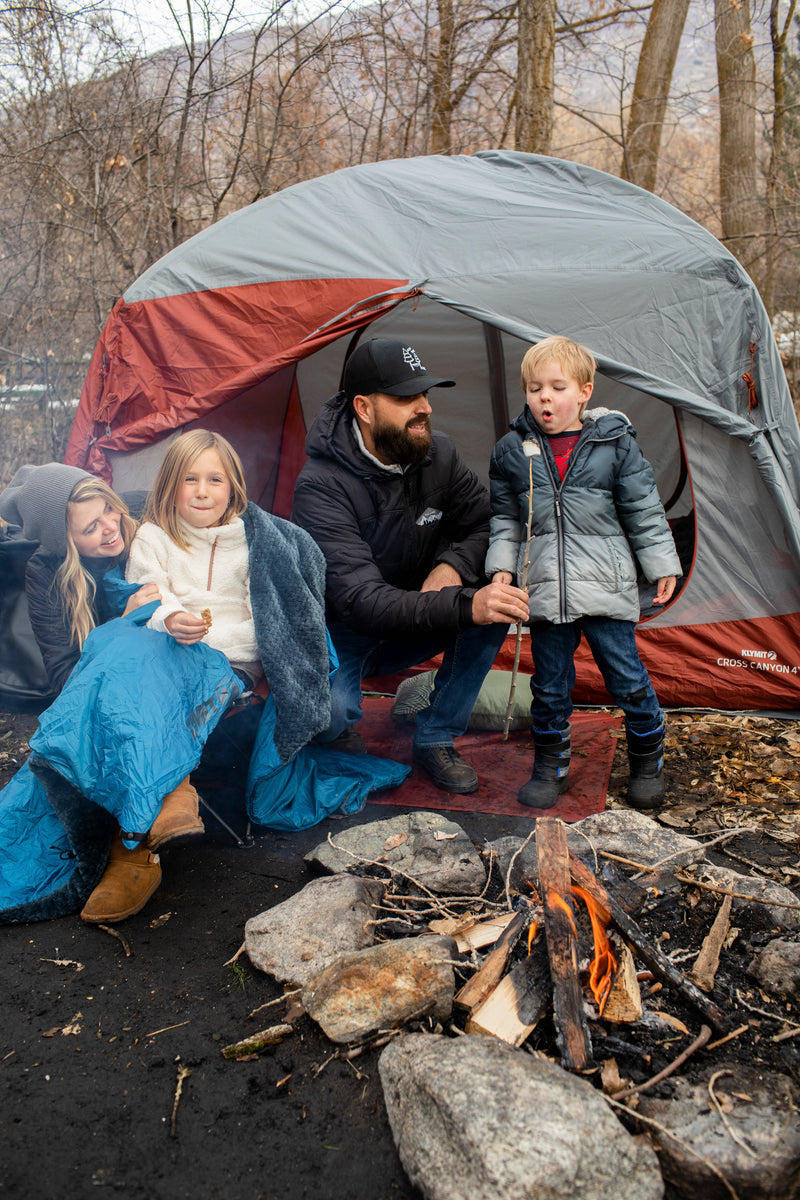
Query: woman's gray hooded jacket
column 587, row 527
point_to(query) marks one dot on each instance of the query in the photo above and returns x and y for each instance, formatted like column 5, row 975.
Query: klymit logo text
column 769, row 654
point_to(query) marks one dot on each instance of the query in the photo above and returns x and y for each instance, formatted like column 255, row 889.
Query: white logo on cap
column 411, row 357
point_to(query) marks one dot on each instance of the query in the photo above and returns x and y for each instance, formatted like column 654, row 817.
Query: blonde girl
column 192, row 545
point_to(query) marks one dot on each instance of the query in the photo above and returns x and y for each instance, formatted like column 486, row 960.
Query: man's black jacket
column 382, row 532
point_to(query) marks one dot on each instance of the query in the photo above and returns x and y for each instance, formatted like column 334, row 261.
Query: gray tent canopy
column 246, row 327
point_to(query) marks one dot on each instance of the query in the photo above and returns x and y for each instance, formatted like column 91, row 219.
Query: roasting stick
column 530, row 448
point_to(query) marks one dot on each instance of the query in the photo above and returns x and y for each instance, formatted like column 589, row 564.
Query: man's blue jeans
column 613, row 646
column 468, row 656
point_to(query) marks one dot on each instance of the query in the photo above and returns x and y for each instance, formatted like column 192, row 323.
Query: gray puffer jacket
column 587, row 527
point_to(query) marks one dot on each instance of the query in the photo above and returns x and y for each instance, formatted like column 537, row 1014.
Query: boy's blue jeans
column 468, row 656
column 613, row 646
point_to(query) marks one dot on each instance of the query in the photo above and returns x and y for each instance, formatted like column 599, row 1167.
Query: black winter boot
column 550, row 775
column 646, row 761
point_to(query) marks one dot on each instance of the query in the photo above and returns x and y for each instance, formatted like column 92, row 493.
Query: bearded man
column 404, row 526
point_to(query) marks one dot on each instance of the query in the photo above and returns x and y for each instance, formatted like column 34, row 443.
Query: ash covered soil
column 111, row 1063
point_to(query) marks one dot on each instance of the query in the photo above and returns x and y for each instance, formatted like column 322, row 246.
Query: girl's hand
column 146, row 593
column 185, row 628
column 666, row 587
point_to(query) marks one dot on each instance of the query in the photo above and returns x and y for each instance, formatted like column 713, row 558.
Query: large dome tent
column 245, row 329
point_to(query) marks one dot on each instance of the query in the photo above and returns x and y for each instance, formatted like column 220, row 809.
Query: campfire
column 544, row 953
column 558, row 969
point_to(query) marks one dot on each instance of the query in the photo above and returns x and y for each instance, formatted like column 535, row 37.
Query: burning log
column 476, row 989
column 624, row 1004
column 572, row 1031
column 650, row 955
column 515, row 1007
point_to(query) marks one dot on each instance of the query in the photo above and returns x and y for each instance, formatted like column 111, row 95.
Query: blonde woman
column 83, row 529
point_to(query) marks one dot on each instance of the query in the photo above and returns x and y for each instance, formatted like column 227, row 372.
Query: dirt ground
column 111, row 1048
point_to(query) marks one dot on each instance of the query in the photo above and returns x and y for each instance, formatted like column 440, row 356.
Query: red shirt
column 562, row 445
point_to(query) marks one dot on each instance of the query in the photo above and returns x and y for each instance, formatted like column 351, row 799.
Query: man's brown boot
column 179, row 817
column 129, row 880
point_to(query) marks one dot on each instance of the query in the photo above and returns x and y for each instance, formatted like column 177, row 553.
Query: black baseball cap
column 384, row 365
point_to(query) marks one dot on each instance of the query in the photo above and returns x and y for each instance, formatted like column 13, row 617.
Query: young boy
column 595, row 505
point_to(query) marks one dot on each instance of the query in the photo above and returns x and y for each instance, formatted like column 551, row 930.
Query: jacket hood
column 603, row 422
column 37, row 499
column 331, row 435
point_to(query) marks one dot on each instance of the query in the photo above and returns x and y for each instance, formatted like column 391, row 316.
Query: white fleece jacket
column 214, row 574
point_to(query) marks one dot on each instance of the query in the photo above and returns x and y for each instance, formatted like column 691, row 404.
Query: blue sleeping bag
column 129, row 725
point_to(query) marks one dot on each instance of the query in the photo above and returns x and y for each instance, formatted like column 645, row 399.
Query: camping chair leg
column 248, row 839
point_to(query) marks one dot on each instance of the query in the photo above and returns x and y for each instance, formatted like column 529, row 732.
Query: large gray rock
column 763, row 892
column 626, row 833
column 505, row 850
column 296, row 940
column 761, row 1111
column 382, row 987
column 424, row 845
column 632, row 835
column 474, row 1119
column 777, row 968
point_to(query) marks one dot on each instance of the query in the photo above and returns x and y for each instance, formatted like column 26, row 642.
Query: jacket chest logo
column 430, row 516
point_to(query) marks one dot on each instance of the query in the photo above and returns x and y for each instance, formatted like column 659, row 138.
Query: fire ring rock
column 475, row 1118
column 295, row 940
column 383, row 986
column 756, row 1146
column 425, row 845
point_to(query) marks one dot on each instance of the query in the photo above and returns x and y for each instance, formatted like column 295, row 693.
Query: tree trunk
column 651, row 91
column 442, row 82
column 776, row 159
column 736, row 71
column 536, row 41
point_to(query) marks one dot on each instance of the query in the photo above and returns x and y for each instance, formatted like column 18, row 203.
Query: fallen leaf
column 73, row 1027
column 440, row 836
column 670, row 1020
column 397, row 839
column 162, row 920
column 610, row 1077
column 451, row 925
column 64, row 962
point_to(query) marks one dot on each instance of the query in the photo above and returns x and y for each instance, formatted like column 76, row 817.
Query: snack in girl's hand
column 205, row 613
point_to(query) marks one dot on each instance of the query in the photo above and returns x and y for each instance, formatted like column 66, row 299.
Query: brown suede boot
column 178, row 818
column 129, row 880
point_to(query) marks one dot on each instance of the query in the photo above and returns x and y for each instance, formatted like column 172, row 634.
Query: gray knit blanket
column 287, row 596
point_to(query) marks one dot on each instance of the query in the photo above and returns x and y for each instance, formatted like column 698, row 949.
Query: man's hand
column 443, row 575
column 146, row 593
column 185, row 628
column 666, row 587
column 500, row 601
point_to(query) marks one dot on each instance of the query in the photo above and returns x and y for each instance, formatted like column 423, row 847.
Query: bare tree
column 736, row 70
column 651, row 91
column 776, row 169
column 536, row 43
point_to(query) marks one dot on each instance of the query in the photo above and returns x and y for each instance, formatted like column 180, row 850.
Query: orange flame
column 604, row 964
column 556, row 901
column 532, row 933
